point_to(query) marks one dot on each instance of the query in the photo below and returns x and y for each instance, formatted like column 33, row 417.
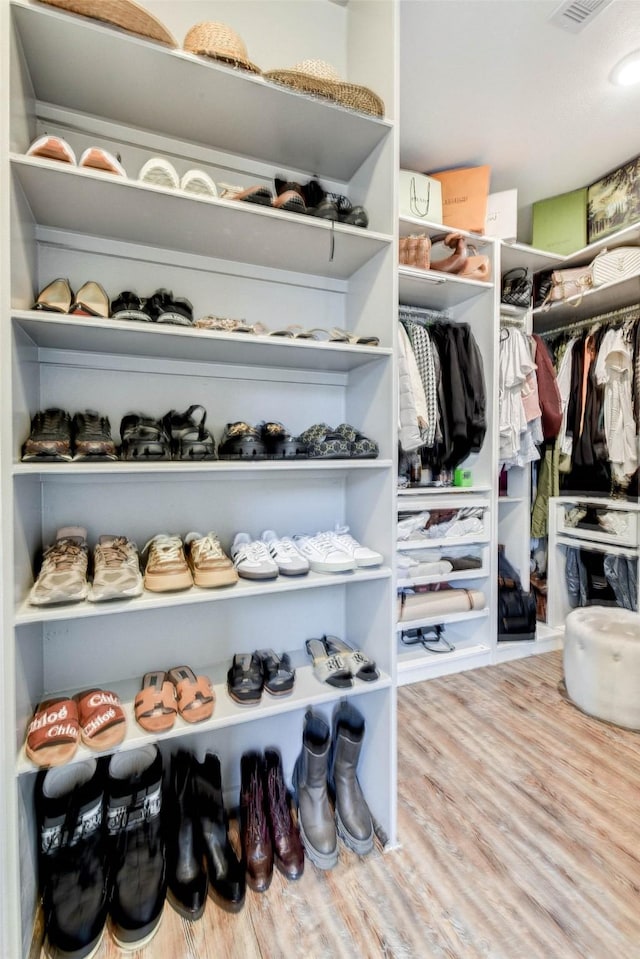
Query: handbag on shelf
column 517, row 287
column 415, row 251
column 613, row 266
column 570, row 284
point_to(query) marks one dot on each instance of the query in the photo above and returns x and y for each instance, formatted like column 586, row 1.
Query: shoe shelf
column 307, row 692
column 443, row 617
column 131, row 338
column 405, row 582
column 193, row 99
column 220, row 468
column 416, row 664
column 195, row 596
column 60, row 197
column 438, row 291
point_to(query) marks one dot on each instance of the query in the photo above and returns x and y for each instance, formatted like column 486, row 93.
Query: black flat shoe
column 245, row 680
column 129, row 306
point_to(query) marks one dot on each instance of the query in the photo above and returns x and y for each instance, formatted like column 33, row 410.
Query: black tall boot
column 315, row 818
column 72, row 857
column 134, row 824
column 355, row 826
column 226, row 872
column 186, row 872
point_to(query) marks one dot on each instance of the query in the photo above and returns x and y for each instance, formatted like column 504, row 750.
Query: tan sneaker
column 208, row 562
column 166, row 567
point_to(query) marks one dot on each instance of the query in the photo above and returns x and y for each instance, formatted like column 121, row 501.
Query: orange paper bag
column 464, row 197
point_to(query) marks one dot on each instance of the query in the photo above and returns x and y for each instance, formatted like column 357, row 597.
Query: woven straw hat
column 321, row 79
column 220, row 42
column 121, row 13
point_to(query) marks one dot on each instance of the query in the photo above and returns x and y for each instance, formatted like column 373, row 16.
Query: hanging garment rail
column 621, row 315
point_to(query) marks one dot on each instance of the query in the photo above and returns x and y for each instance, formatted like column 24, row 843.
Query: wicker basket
column 415, row 251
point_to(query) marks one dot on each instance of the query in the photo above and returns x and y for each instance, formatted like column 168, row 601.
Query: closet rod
column 614, row 316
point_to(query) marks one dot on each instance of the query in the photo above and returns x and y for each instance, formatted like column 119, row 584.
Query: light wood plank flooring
column 519, row 830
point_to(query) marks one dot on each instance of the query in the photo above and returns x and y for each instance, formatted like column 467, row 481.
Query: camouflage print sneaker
column 92, row 437
column 116, row 569
column 50, row 437
column 63, row 575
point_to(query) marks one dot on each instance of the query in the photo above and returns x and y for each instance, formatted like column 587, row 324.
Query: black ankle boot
column 72, row 857
column 186, row 872
column 226, row 872
column 137, row 846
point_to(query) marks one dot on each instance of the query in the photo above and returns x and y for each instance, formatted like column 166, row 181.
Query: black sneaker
column 144, row 438
column 281, row 445
column 136, row 842
column 92, row 438
column 72, row 857
column 50, row 437
column 241, row 442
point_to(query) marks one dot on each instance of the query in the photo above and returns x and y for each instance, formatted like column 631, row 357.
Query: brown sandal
column 194, row 694
column 53, row 733
column 101, row 717
column 155, row 705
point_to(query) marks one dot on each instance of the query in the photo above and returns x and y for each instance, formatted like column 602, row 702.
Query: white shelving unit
column 472, row 633
column 231, row 259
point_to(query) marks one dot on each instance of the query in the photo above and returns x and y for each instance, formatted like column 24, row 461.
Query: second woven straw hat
column 219, row 42
column 319, row 78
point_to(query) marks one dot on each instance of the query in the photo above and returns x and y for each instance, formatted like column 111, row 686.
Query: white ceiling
column 492, row 81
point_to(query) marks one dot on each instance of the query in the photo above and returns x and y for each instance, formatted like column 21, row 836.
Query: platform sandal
column 144, row 438
column 101, row 717
column 328, row 667
column 53, row 733
column 358, row 663
column 194, row 694
column 189, row 438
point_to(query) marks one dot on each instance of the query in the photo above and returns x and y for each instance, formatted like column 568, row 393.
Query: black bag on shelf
column 517, row 287
column 516, row 609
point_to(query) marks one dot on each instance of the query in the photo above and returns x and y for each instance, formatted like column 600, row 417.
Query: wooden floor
column 519, row 829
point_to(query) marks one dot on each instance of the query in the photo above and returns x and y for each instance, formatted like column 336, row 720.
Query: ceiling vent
column 575, row 15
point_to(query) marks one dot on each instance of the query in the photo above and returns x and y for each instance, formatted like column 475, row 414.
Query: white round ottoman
column 602, row 663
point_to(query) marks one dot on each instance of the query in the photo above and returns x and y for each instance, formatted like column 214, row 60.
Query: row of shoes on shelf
column 309, row 198
column 116, row 836
column 172, row 564
column 164, row 307
column 57, row 436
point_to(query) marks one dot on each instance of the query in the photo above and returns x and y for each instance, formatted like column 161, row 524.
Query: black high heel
column 56, row 297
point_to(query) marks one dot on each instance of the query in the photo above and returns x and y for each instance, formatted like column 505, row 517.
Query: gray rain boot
column 355, row 826
column 315, row 819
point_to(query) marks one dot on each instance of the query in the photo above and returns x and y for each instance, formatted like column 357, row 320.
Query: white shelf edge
column 479, row 539
column 435, row 277
column 434, row 491
column 212, row 468
column 452, row 577
column 442, row 618
column 420, row 665
column 26, row 614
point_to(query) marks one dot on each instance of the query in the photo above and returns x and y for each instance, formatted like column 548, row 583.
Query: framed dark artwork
column 613, row 202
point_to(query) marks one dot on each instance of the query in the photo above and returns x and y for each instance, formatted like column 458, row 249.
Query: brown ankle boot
column 289, row 854
column 254, row 829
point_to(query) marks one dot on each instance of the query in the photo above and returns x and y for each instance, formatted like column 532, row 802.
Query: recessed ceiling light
column 627, row 72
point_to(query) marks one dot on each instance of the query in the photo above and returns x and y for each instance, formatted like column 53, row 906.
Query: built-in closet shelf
column 547, row 640
column 476, row 539
column 412, row 226
column 108, row 206
column 434, row 491
column 415, row 664
column 222, row 469
column 601, row 299
column 444, row 618
column 511, row 500
column 307, row 691
column 243, row 589
column 439, row 291
column 602, row 545
column 193, row 98
column 520, row 255
column 404, row 582
column 54, row 331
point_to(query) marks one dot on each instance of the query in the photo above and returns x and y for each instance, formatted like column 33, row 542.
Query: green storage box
column 560, row 223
